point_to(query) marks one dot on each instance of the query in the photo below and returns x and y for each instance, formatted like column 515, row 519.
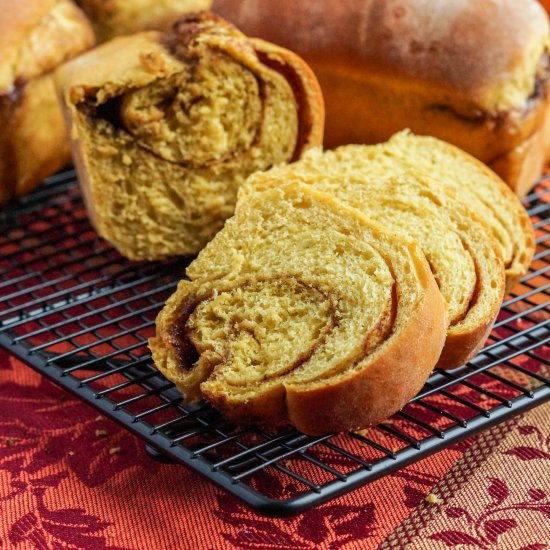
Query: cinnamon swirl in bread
column 166, row 127
column 463, row 255
column 302, row 311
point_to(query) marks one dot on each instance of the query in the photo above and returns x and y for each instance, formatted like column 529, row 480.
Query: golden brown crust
column 524, row 164
column 17, row 22
column 454, row 356
column 467, row 71
column 38, row 139
column 113, row 18
column 373, row 395
column 447, row 45
column 38, row 36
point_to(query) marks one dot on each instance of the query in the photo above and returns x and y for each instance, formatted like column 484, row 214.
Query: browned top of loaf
column 473, row 47
column 37, row 35
column 19, row 18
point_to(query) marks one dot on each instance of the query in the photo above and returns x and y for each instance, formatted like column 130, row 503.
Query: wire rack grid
column 78, row 313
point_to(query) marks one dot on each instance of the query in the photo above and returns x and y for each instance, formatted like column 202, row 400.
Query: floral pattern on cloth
column 492, row 499
column 71, row 479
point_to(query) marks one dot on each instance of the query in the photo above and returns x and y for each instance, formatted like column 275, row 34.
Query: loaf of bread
column 302, row 311
column 462, row 253
column 472, row 72
column 474, row 183
column 112, row 18
column 166, row 127
column 36, row 36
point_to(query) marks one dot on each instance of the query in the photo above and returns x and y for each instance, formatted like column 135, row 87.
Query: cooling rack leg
column 158, row 456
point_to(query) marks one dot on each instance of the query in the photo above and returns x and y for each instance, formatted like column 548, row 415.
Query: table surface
column 72, row 479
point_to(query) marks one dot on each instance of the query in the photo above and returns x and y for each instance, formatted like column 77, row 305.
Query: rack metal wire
column 78, row 313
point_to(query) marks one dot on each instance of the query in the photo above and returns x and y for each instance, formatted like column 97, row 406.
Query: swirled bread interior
column 302, row 311
column 166, row 128
column 462, row 253
column 474, row 183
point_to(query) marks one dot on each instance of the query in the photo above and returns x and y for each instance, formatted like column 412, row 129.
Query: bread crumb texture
column 432, row 499
column 170, row 127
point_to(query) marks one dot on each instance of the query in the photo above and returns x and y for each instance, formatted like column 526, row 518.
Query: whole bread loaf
column 302, row 311
column 36, row 36
column 472, row 72
column 112, row 18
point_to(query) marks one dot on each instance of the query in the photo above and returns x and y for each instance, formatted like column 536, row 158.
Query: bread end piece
column 160, row 178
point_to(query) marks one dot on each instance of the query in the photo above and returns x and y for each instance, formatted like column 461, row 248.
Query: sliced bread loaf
column 482, row 190
column 302, row 311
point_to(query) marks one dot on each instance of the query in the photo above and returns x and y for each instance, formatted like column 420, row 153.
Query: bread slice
column 166, row 127
column 302, row 311
column 474, row 183
column 462, row 253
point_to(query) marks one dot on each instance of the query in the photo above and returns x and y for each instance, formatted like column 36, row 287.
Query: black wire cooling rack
column 78, row 313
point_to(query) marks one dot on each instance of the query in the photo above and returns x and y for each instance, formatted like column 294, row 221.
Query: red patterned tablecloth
column 72, row 479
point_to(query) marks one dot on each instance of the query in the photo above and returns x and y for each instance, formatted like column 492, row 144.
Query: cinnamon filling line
column 112, row 112
column 181, row 336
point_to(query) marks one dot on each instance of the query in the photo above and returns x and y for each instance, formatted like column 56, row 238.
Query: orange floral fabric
column 69, row 478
